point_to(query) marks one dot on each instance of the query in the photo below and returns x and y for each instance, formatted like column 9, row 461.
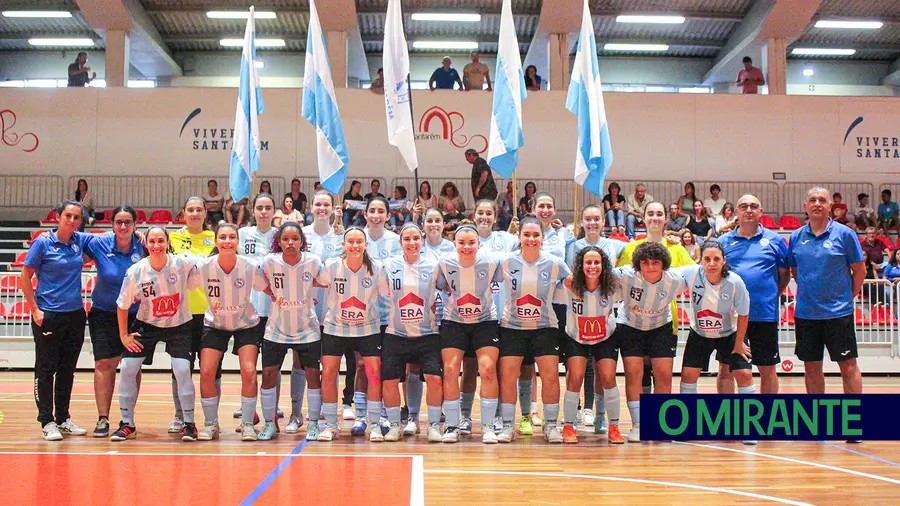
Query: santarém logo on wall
column 436, row 123
column 208, row 137
column 882, row 145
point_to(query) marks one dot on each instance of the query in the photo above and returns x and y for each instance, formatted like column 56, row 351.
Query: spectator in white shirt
column 715, row 202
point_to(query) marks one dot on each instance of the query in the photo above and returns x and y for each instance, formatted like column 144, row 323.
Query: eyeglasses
column 124, row 223
column 744, row 207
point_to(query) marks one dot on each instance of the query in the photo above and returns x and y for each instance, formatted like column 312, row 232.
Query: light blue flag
column 245, row 145
column 509, row 92
column 321, row 110
column 594, row 154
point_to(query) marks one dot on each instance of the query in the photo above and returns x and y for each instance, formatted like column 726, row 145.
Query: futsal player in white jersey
column 412, row 332
column 292, row 322
column 720, row 315
column 351, row 325
column 591, row 293
column 160, row 283
column 529, row 329
column 228, row 281
column 469, row 322
column 644, row 323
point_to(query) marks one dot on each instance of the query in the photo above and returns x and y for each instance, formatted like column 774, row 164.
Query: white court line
column 154, row 454
column 627, row 480
column 796, row 461
column 417, row 487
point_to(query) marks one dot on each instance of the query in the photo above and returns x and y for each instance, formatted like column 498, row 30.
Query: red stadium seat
column 89, row 285
column 10, row 283
column 20, row 261
column 2, row 310
column 619, row 237
column 768, row 222
column 87, row 306
column 787, row 316
column 788, row 222
column 51, row 218
column 34, row 235
column 107, row 218
column 18, row 311
column 789, row 291
column 882, row 315
column 639, row 237
column 683, row 317
column 861, row 317
column 88, row 265
column 141, row 216
column 888, row 243
column 160, row 217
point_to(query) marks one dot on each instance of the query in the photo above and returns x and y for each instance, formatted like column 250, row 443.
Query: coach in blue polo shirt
column 57, row 318
column 759, row 257
column 827, row 262
column 444, row 77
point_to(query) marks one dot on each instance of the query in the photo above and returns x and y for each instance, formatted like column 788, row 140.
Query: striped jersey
column 498, row 244
column 444, row 248
column 531, row 287
column 256, row 245
column 590, row 318
column 646, row 305
column 715, row 308
column 352, row 299
column 386, row 246
column 292, row 319
column 409, row 288
column 556, row 241
column 611, row 247
column 229, row 295
column 162, row 294
column 325, row 247
column 469, row 298
column 202, row 244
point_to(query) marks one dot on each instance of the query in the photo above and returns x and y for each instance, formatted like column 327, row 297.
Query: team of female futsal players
column 407, row 307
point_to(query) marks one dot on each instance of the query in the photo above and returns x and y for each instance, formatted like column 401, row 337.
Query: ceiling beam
column 67, row 35
column 742, row 36
column 893, row 79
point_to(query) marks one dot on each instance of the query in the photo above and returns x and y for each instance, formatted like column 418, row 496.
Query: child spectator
column 865, row 215
column 888, row 214
column 839, row 209
column 400, row 214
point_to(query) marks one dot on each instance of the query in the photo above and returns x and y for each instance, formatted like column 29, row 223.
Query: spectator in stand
column 888, row 214
column 715, row 202
column 637, row 207
column 839, row 209
column 236, row 212
column 875, row 249
column 698, row 223
column 287, row 212
column 317, row 186
column 865, row 216
column 475, row 74
column 378, row 83
column 533, row 81
column 444, row 77
column 450, row 192
column 265, row 187
column 86, row 199
column 892, row 269
column 505, row 206
column 300, row 202
column 675, row 222
column 526, row 203
column 354, row 217
column 215, row 202
column 726, row 220
column 690, row 244
column 483, row 186
column 375, row 187
column 78, row 71
column 614, row 205
column 750, row 78
column 686, row 201
column 452, row 217
column 399, row 215
column 426, row 197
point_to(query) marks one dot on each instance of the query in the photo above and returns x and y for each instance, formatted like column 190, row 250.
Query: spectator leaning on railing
column 444, row 77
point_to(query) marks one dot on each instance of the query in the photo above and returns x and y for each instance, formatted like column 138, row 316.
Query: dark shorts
column 469, row 336
column 608, row 349
column 529, row 344
column 398, row 351
column 836, row 334
column 336, row 346
column 657, row 343
column 105, row 339
column 196, row 324
column 217, row 339
column 177, row 339
column 699, row 348
column 273, row 353
column 763, row 338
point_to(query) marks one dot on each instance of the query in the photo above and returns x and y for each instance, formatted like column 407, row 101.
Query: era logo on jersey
column 469, row 306
column 412, row 309
column 592, row 328
column 709, row 321
column 353, row 310
column 528, row 307
column 166, row 306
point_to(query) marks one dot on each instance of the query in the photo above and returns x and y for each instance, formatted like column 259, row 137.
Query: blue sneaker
column 312, row 431
column 269, row 432
column 359, row 427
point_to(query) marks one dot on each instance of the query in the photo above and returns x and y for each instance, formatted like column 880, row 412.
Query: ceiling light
column 37, row 14
column 635, row 47
column 444, row 44
column 809, row 72
column 813, row 51
column 862, row 25
column 260, row 43
column 442, row 16
column 240, row 14
column 667, row 20
column 61, row 42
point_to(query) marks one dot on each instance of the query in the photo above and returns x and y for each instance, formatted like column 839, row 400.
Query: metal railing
column 190, row 186
column 793, row 194
column 42, row 192
column 144, row 192
column 768, row 193
column 13, row 327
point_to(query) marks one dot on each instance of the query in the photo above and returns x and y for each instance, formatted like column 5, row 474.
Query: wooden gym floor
column 157, row 469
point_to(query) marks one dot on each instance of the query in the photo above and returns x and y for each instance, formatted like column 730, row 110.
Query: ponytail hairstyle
column 529, row 219
column 366, row 259
column 581, row 232
column 579, row 280
column 410, row 225
column 378, row 198
column 66, row 203
column 169, row 249
column 204, row 225
column 489, row 202
column 713, row 244
column 544, row 194
column 276, row 239
column 220, row 226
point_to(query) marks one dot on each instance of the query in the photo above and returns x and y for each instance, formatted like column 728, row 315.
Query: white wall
column 856, row 73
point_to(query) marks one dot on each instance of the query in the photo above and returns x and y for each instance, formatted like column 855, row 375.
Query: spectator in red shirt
column 751, row 78
column 839, row 209
column 875, row 249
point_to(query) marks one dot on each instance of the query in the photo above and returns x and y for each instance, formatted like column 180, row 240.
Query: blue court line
column 270, row 479
column 863, row 454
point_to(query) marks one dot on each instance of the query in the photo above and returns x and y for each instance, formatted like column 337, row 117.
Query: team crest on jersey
column 469, row 307
column 828, row 244
column 307, row 276
column 604, row 301
column 353, row 310
column 367, row 282
column 412, row 309
column 425, row 275
column 553, row 239
column 481, row 274
column 725, row 296
column 497, row 246
column 545, row 275
column 709, row 321
column 172, row 279
column 764, row 242
column 207, row 242
column 528, row 307
column 329, row 247
column 166, row 306
column 592, row 328
column 239, row 283
column 135, row 257
column 75, row 248
column 662, row 295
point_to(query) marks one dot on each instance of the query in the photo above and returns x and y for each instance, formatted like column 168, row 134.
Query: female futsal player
column 161, row 283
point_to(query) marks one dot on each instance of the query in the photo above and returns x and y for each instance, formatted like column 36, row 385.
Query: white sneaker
column 552, row 435
column 375, row 435
column 329, row 433
column 488, row 436
column 248, row 432
column 347, row 413
column 176, row 426
column 293, row 425
column 536, row 420
column 451, row 435
column 237, row 413
column 434, row 433
column 210, row 431
column 395, row 433
column 507, row 435
column 269, row 432
column 411, row 428
column 465, row 426
column 751, row 442
column 587, row 418
column 51, row 432
column 70, row 429
column 498, row 424
column 634, row 436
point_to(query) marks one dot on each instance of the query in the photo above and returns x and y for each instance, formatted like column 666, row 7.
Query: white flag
column 396, row 87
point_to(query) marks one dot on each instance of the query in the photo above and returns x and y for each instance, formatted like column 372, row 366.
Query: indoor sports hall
column 182, row 135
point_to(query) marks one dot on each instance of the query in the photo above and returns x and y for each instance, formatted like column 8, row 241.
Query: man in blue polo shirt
column 759, row 257
column 827, row 262
column 444, row 77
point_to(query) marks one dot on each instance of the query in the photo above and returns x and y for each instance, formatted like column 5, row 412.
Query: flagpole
column 411, row 113
column 576, row 223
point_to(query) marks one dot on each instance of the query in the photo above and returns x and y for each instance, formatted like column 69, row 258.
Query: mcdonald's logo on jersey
column 353, row 310
column 592, row 328
column 709, row 321
column 412, row 308
column 528, row 307
column 469, row 306
column 166, row 306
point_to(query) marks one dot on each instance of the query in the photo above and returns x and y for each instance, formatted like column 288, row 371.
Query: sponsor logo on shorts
column 528, row 307
column 412, row 309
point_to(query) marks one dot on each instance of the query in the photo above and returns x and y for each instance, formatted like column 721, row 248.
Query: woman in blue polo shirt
column 113, row 254
column 57, row 318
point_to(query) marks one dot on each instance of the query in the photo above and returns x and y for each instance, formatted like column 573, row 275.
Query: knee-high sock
column 613, row 404
column 414, row 391
column 315, row 404
column 361, row 405
column 687, row 388
column 747, row 390
column 248, row 409
column 178, row 413
column 507, row 412
column 570, row 407
column 210, row 409
column 373, row 409
column 524, row 397
column 551, row 412
column 489, row 410
column 182, row 370
column 331, row 413
column 634, row 407
column 128, row 389
column 451, row 409
column 298, row 386
column 393, row 415
column 268, row 399
column 434, row 414
column 466, row 399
